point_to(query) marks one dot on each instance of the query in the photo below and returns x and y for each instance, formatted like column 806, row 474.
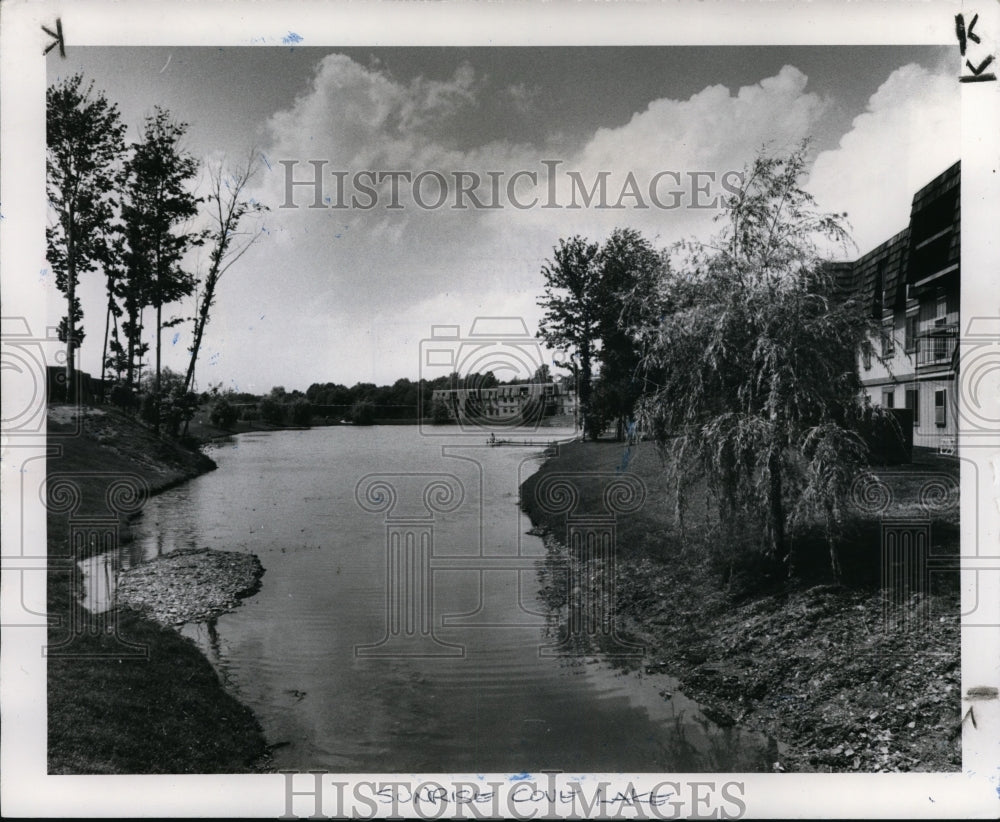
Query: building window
column 940, row 408
column 889, row 399
column 913, row 404
column 940, row 348
column 888, row 343
column 942, row 306
column 866, row 358
column 910, row 339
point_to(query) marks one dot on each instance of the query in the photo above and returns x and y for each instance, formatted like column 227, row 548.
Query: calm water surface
column 289, row 652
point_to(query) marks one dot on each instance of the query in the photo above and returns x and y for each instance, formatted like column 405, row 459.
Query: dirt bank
column 847, row 678
column 125, row 694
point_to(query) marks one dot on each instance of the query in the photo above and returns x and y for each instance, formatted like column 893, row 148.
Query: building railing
column 937, row 345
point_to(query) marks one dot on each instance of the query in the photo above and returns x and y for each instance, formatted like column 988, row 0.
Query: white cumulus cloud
column 908, row 134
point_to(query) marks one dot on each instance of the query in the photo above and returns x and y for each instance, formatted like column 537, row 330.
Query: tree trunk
column 116, row 333
column 156, row 382
column 138, row 336
column 199, row 330
column 104, row 349
column 585, row 377
column 831, row 541
column 70, row 313
column 776, row 506
column 134, row 319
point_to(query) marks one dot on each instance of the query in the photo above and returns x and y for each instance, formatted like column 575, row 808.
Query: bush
column 148, row 407
column 272, row 411
column 178, row 406
column 363, row 413
column 224, row 414
column 122, row 397
column 439, row 413
column 301, row 412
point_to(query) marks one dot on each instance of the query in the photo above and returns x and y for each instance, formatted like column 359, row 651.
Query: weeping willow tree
column 754, row 365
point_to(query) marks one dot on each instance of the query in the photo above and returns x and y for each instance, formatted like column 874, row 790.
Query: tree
column 158, row 203
column 363, row 413
column 229, row 240
column 572, row 311
column 755, row 364
column 439, row 412
column 543, row 374
column 300, row 411
column 629, row 298
column 169, row 403
column 84, row 144
column 272, row 411
column 224, row 414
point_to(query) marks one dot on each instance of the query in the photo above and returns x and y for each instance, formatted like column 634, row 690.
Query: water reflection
column 99, row 574
column 290, row 651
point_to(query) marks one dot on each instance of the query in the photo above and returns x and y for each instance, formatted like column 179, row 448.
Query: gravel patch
column 189, row 585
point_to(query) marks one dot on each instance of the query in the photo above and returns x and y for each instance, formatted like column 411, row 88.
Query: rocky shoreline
column 189, row 585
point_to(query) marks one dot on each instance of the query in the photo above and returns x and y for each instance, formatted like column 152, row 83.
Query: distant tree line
column 364, row 403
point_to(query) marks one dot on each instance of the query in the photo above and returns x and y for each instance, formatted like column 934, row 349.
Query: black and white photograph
column 500, row 410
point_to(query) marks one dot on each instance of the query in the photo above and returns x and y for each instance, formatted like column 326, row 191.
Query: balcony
column 936, row 346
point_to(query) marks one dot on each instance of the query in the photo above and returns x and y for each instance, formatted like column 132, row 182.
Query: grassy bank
column 815, row 664
column 108, row 710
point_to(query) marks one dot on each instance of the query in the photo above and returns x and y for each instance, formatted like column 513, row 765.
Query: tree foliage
column 272, row 411
column 596, row 298
column 300, row 412
column 755, row 363
column 158, row 203
column 84, row 147
column 224, row 414
column 167, row 401
column 572, row 317
column 439, row 413
column 363, row 413
column 629, row 299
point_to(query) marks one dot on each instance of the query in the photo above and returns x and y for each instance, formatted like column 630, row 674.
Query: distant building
column 912, row 282
column 507, row 403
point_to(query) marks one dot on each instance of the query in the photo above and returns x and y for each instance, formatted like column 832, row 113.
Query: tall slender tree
column 158, row 202
column 229, row 239
column 84, row 147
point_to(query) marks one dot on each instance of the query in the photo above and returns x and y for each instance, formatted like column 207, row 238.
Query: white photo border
column 27, row 790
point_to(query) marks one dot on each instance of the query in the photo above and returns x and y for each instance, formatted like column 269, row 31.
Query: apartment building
column 913, row 283
column 506, row 402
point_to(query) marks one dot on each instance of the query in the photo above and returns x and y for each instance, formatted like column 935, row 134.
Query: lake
column 398, row 627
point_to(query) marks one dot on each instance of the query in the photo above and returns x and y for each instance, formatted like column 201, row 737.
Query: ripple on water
column 289, row 652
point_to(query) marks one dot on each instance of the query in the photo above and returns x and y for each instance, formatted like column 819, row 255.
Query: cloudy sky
column 346, row 294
